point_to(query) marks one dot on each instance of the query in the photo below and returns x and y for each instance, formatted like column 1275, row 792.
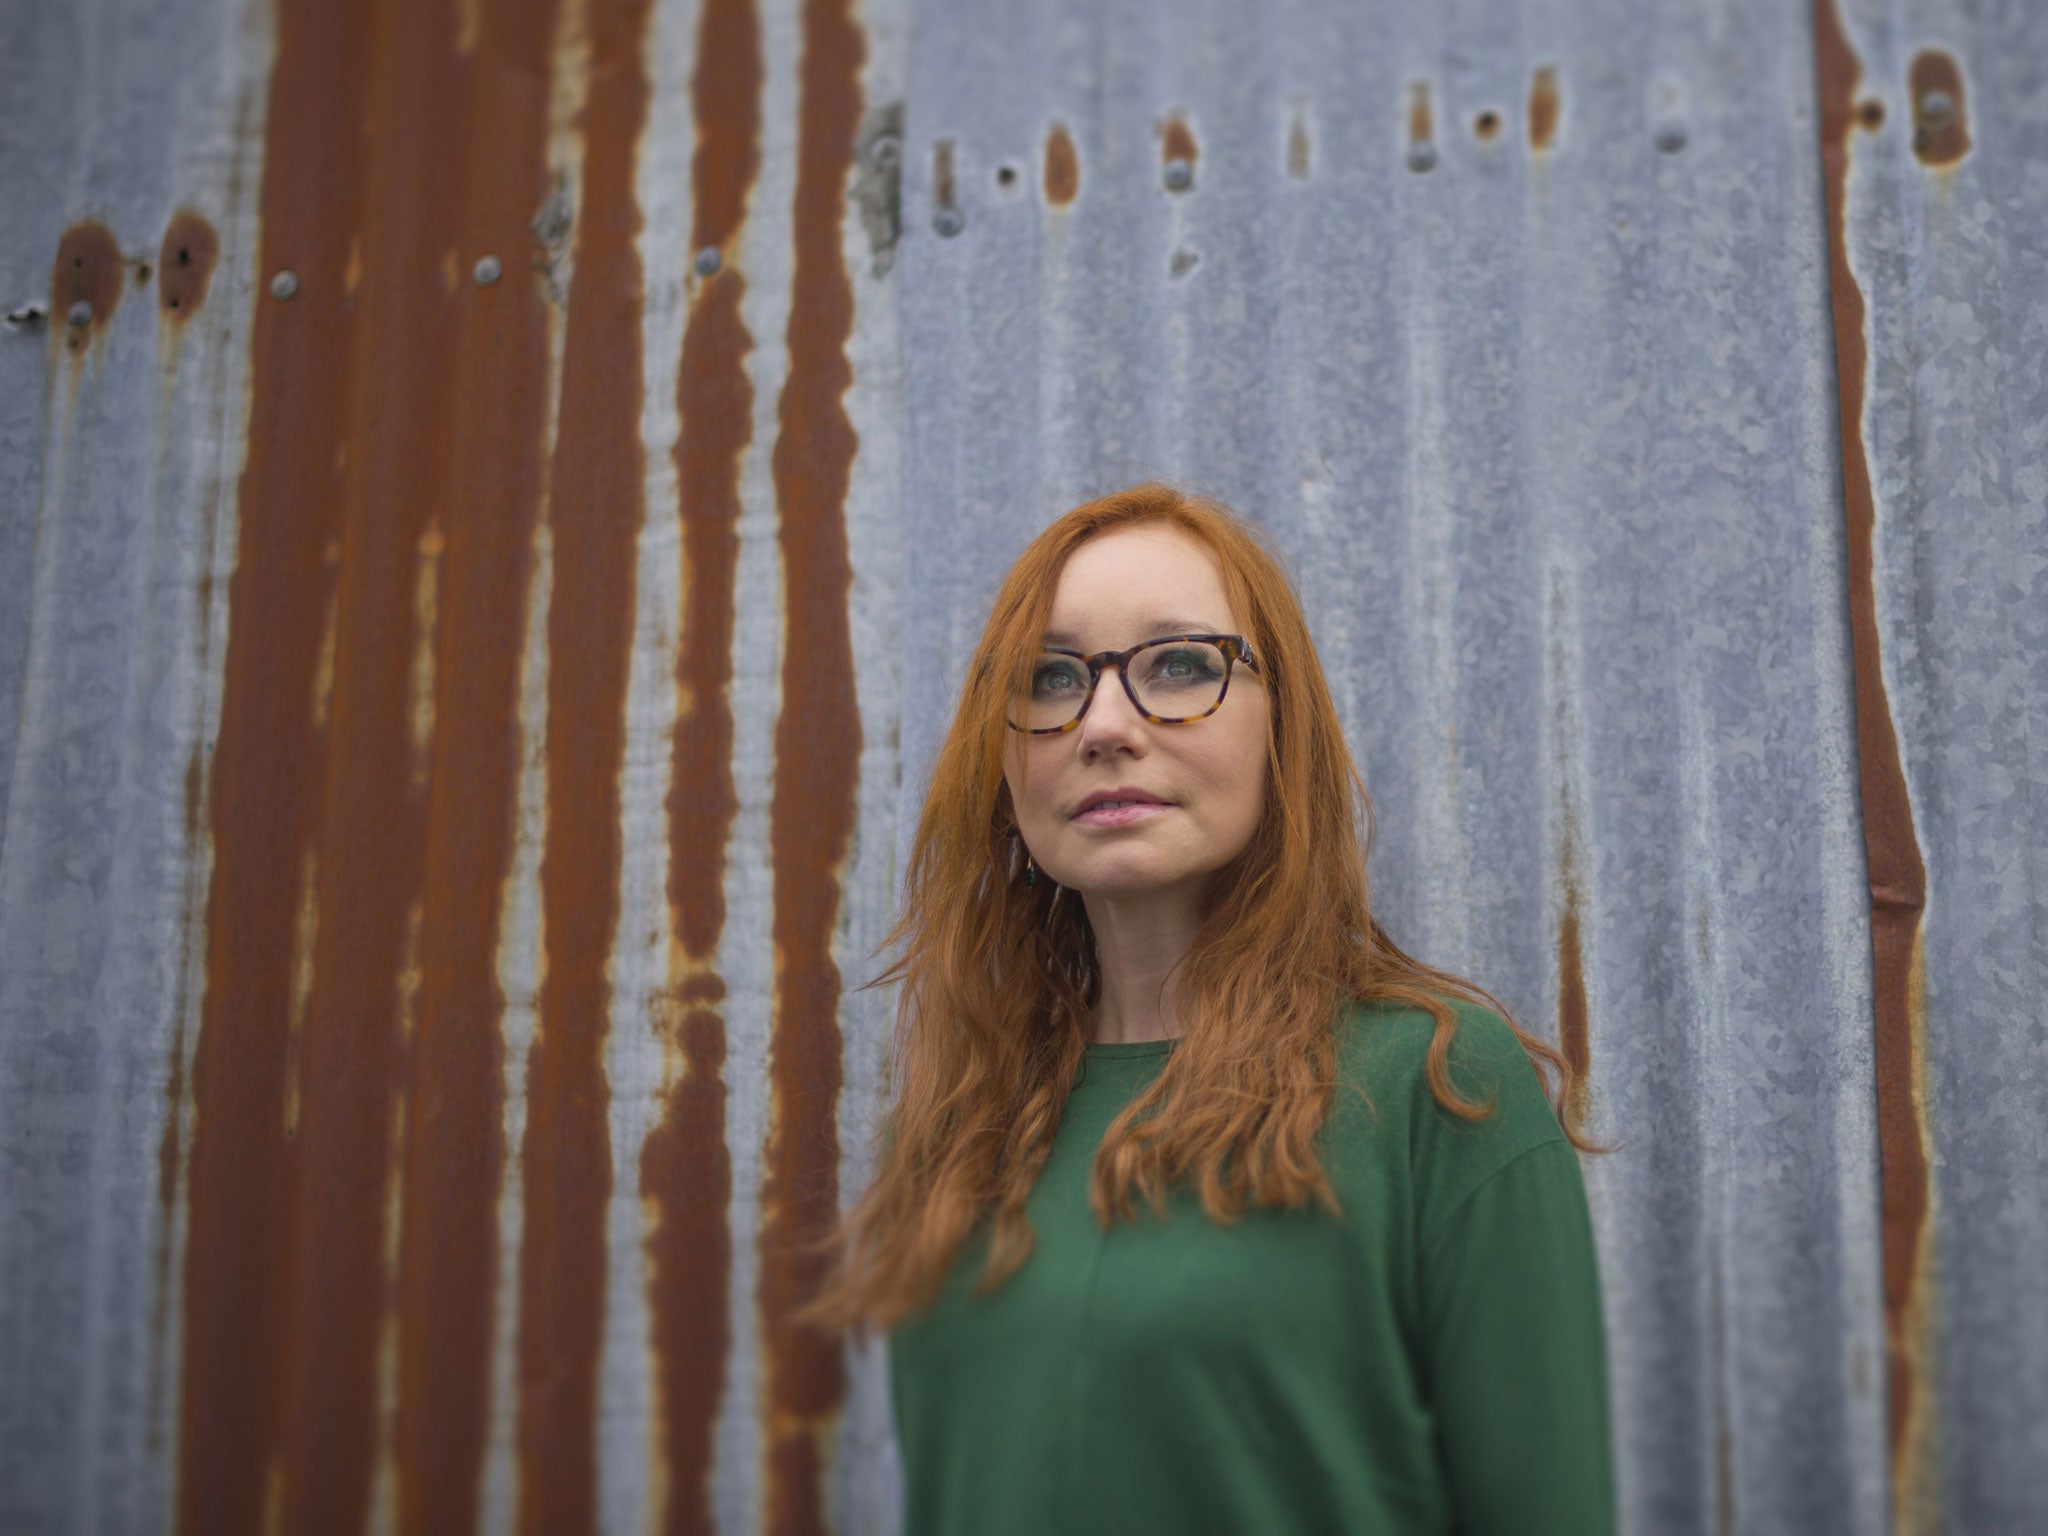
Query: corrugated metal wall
column 495, row 497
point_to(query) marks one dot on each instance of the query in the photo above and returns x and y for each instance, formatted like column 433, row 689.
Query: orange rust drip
column 1177, row 142
column 817, row 766
column 1543, row 105
column 87, row 267
column 1062, row 167
column 942, row 173
column 1421, row 128
column 185, row 264
column 1898, row 878
column 596, row 511
column 1572, row 1034
column 455, row 1145
column 685, row 1168
column 1940, row 136
column 352, row 1052
column 264, row 797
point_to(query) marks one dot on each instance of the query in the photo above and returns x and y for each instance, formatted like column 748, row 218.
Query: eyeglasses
column 1170, row 681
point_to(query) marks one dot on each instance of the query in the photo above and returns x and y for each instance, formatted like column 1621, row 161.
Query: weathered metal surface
column 459, row 634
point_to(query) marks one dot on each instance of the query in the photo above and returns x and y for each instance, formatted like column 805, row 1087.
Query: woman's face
column 1206, row 780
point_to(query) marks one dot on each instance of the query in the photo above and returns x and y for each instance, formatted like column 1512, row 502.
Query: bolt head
column 1670, row 139
column 885, row 152
column 1937, row 106
column 1421, row 156
column 488, row 270
column 1180, row 175
column 81, row 313
column 284, row 284
column 949, row 221
column 707, row 261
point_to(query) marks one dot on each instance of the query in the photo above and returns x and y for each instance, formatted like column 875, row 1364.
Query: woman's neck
column 1139, row 941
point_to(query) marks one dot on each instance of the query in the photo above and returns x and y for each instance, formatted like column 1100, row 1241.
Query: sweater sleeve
column 1515, row 1352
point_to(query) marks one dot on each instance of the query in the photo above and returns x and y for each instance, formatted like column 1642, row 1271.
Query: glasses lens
column 1179, row 679
column 1052, row 694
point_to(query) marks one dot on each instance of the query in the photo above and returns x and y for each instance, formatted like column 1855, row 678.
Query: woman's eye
column 1054, row 679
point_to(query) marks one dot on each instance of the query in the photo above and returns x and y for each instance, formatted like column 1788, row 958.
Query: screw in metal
column 81, row 313
column 885, row 151
column 1421, row 155
column 1180, row 174
column 488, row 270
column 284, row 284
column 949, row 221
column 707, row 261
column 1670, row 138
column 1937, row 107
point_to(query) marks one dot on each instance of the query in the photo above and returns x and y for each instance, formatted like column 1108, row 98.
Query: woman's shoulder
column 1383, row 1061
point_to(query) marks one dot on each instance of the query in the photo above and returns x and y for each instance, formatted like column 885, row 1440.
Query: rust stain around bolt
column 184, row 266
column 812, row 800
column 1897, row 874
column 685, row 1168
column 1543, row 107
column 1486, row 126
column 1177, row 142
column 1062, row 167
column 88, row 270
column 1941, row 120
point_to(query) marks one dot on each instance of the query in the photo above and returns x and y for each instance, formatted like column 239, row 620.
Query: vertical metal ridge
column 817, row 764
column 595, row 509
column 1898, row 876
column 685, row 1166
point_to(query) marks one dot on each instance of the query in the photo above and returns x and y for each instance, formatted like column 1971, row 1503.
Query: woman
column 1201, row 1206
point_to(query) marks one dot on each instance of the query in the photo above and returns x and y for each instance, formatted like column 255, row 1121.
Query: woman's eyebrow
column 1153, row 630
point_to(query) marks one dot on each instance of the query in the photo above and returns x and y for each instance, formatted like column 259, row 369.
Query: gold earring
column 1030, row 871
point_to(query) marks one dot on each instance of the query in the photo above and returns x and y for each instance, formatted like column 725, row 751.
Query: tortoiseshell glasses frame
column 1235, row 649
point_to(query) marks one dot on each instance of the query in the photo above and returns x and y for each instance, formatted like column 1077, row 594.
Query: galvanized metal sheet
column 438, row 843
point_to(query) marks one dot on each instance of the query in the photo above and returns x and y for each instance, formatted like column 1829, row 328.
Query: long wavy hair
column 999, row 974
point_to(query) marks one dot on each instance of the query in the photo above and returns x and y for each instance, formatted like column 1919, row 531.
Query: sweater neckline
column 1111, row 1050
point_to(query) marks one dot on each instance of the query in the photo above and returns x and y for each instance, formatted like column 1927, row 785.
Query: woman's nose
column 1111, row 716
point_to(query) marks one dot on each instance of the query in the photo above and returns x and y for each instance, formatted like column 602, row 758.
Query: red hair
column 999, row 974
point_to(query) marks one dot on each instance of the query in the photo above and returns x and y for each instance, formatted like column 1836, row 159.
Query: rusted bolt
column 885, row 152
column 1006, row 175
column 1872, row 114
column 949, row 221
column 81, row 314
column 284, row 284
column 488, row 270
column 1421, row 156
column 1671, row 138
column 707, row 261
column 1937, row 107
column 1487, row 124
column 1180, row 174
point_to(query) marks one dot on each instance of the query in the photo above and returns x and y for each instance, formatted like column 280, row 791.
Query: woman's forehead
column 1151, row 579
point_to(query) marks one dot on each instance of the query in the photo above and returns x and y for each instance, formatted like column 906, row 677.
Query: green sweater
column 1433, row 1362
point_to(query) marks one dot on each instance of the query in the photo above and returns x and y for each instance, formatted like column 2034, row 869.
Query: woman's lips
column 1121, row 815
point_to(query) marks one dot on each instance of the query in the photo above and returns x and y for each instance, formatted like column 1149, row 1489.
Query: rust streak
column 1543, row 107
column 1298, row 147
column 595, row 501
column 685, row 1168
column 1062, row 167
column 1572, row 1035
column 87, row 270
column 264, row 802
column 1421, row 127
column 185, row 264
column 1898, row 877
column 1177, row 141
column 454, row 1153
column 817, row 762
column 942, row 173
column 1941, row 120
